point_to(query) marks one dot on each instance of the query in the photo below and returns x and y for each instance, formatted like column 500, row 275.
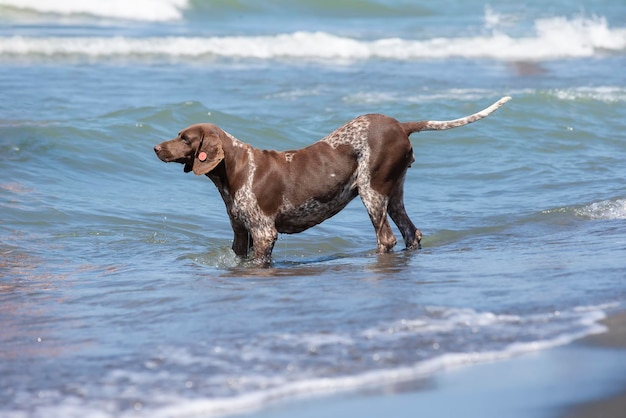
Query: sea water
column 119, row 293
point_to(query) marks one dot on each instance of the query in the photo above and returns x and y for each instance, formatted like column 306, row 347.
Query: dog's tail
column 436, row 125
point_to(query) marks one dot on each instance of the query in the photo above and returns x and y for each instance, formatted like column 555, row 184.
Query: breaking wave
column 553, row 38
column 147, row 10
column 607, row 209
column 603, row 210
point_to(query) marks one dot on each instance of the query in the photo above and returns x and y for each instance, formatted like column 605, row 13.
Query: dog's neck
column 231, row 174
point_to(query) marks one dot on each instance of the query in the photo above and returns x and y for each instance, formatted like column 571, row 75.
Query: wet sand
column 612, row 406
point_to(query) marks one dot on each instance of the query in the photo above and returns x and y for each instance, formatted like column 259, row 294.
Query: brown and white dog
column 267, row 192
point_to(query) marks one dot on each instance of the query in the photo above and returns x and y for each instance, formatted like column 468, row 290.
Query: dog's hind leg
column 412, row 236
column 376, row 205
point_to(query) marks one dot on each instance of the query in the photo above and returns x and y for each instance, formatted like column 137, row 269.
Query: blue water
column 119, row 294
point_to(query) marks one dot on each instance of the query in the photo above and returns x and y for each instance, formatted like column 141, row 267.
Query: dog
column 269, row 192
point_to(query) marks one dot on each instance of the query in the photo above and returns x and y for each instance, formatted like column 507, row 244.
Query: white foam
column 607, row 94
column 553, row 39
column 424, row 96
column 148, row 10
column 607, row 209
column 317, row 340
column 497, row 20
column 449, row 320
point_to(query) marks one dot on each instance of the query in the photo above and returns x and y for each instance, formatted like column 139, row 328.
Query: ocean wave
column 586, row 318
column 607, row 94
column 257, row 389
column 606, row 209
column 603, row 210
column 146, row 10
column 554, row 38
column 173, row 10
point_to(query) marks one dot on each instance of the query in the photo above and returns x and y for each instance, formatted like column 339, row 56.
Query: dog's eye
column 184, row 139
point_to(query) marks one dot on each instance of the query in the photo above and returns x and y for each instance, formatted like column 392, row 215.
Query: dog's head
column 198, row 147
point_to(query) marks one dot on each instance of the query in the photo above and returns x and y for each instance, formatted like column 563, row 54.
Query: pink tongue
column 202, row 156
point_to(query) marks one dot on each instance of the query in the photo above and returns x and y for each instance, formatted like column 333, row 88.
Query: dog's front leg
column 264, row 241
column 242, row 241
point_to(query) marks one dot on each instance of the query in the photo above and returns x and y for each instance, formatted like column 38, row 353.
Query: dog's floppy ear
column 208, row 155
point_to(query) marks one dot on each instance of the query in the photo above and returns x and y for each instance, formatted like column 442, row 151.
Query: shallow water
column 119, row 294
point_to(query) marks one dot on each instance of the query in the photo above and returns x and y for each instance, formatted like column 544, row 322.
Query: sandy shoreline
column 612, row 406
column 586, row 379
column 614, row 338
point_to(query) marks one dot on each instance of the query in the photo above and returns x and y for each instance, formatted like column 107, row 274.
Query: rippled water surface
column 119, row 294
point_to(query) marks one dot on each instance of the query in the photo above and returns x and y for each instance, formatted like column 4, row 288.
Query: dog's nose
column 157, row 148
